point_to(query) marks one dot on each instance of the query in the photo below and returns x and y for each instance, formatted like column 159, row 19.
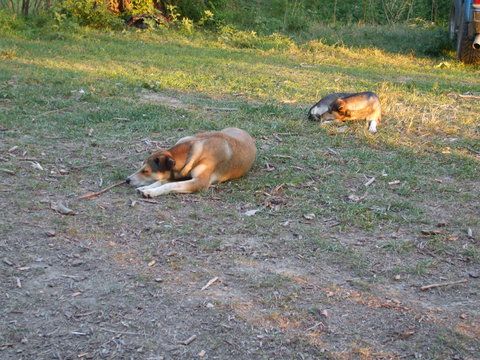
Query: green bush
column 10, row 22
column 91, row 13
column 142, row 7
column 250, row 39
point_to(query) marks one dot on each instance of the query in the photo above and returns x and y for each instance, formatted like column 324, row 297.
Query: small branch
column 315, row 326
column 283, row 156
column 433, row 286
column 473, row 150
column 9, row 172
column 468, row 96
column 210, row 283
column 121, row 332
column 93, row 195
column 369, row 182
column 189, row 340
column 150, row 201
column 53, row 111
column 221, row 108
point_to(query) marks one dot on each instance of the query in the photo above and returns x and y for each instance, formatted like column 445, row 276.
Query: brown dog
column 196, row 162
column 346, row 107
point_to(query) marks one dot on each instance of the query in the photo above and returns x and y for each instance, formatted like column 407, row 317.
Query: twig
column 53, row 111
column 186, row 242
column 9, row 172
column 370, row 182
column 332, row 151
column 468, row 96
column 277, row 137
column 150, row 201
column 78, row 333
column 91, row 195
column 283, row 156
column 121, row 332
column 315, row 326
column 473, row 150
column 210, row 283
column 189, row 340
column 433, row 286
column 221, row 108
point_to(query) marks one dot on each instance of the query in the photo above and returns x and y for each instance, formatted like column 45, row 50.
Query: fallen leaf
column 36, row 165
column 395, row 182
column 309, row 216
column 370, row 181
column 431, row 232
column 151, row 263
column 210, row 282
column 269, row 167
column 61, row 209
column 470, row 233
column 251, row 212
column 355, row 198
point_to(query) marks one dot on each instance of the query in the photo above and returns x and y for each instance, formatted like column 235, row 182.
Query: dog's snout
column 127, row 180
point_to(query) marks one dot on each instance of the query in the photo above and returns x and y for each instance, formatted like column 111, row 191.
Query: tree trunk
column 25, row 7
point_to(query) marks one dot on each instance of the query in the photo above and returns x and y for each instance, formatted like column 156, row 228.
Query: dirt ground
column 192, row 276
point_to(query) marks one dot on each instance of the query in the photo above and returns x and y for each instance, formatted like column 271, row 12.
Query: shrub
column 249, row 39
column 88, row 12
column 10, row 22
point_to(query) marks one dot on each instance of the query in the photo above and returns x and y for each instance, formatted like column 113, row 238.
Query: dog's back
column 230, row 153
column 361, row 106
column 347, row 106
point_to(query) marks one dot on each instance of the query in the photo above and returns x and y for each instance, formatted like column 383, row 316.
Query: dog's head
column 339, row 109
column 157, row 167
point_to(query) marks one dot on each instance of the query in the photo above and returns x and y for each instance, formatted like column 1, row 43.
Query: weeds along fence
column 290, row 14
column 391, row 11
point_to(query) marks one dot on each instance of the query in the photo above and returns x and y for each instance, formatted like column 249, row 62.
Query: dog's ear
column 169, row 162
column 340, row 105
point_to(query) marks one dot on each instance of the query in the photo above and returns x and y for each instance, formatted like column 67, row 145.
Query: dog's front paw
column 144, row 193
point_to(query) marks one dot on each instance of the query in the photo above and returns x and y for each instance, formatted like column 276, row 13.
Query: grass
column 427, row 133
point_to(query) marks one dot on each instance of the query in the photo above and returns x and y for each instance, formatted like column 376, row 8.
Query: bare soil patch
column 123, row 278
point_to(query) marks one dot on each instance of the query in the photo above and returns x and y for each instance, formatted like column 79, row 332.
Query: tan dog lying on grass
column 346, row 107
column 196, row 162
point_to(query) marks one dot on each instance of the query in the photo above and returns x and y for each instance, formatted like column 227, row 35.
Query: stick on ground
column 432, row 286
column 92, row 195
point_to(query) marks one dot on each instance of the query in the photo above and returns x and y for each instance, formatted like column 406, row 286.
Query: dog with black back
column 347, row 107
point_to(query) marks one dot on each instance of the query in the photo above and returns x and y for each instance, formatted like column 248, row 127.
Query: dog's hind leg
column 372, row 126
